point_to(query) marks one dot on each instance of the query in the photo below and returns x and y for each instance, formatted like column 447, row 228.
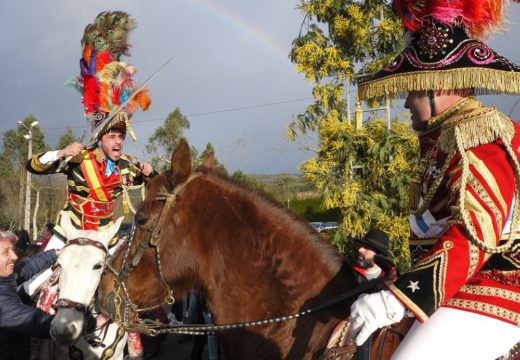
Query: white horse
column 82, row 261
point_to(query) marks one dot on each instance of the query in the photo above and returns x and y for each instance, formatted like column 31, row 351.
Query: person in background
column 45, row 235
column 198, row 314
column 23, row 242
column 18, row 322
column 374, row 242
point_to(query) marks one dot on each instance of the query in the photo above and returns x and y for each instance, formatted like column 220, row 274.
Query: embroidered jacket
column 464, row 254
column 90, row 192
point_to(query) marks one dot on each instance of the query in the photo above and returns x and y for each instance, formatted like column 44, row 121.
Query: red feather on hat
column 480, row 17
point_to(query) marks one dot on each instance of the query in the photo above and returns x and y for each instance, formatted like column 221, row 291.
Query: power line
column 242, row 108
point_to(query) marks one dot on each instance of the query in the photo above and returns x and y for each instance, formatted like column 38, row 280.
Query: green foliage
column 364, row 171
column 340, row 40
column 15, row 147
column 312, row 209
column 240, row 176
column 200, row 159
column 67, row 139
column 12, row 168
column 166, row 138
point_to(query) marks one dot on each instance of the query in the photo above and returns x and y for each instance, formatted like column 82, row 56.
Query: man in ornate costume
column 464, row 285
column 98, row 175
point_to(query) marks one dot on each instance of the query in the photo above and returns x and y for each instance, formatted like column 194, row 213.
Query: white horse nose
column 67, row 326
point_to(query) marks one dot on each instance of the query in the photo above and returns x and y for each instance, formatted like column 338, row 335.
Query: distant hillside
column 285, row 187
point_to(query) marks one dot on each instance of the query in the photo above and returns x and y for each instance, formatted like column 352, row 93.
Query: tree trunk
column 21, row 195
column 35, row 228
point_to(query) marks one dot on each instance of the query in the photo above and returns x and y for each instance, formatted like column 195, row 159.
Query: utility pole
column 35, row 215
column 28, row 136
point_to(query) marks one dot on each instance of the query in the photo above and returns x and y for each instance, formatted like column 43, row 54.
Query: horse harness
column 153, row 235
column 63, row 303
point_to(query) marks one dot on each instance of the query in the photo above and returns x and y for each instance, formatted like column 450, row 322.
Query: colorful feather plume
column 106, row 81
column 479, row 17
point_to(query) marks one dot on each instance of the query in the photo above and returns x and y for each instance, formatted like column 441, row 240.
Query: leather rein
column 123, row 303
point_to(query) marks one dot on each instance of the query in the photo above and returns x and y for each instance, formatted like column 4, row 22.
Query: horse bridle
column 63, row 303
column 121, row 297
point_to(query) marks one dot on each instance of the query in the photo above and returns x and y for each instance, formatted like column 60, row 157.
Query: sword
column 95, row 132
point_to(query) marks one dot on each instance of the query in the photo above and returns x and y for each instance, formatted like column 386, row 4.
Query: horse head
column 82, row 261
column 165, row 197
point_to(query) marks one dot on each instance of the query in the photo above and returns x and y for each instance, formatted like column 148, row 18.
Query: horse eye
column 98, row 266
column 140, row 219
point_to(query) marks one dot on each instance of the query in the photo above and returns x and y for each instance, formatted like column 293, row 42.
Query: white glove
column 373, row 311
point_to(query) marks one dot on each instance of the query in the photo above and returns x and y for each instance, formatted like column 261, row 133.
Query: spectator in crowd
column 374, row 242
column 46, row 234
column 197, row 314
column 23, row 242
column 18, row 322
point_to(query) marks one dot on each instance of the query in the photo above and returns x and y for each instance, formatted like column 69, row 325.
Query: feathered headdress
column 445, row 51
column 105, row 81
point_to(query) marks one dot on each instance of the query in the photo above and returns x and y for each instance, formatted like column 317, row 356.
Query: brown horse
column 253, row 258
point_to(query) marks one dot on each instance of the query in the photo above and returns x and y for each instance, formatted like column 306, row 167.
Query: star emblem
column 414, row 285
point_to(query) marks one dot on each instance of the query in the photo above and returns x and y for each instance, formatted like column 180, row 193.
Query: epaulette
column 475, row 127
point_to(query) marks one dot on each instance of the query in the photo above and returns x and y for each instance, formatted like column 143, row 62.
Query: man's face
column 45, row 233
column 419, row 105
column 365, row 258
column 111, row 144
column 7, row 257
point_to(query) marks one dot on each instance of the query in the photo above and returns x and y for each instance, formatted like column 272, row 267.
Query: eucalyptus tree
column 166, row 138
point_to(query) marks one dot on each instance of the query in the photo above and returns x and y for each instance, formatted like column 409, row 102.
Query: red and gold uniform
column 91, row 190
column 464, row 285
column 464, row 252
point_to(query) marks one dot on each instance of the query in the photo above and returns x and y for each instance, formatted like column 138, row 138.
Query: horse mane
column 273, row 209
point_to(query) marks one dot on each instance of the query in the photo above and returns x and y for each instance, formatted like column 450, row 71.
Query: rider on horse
column 464, row 284
column 98, row 175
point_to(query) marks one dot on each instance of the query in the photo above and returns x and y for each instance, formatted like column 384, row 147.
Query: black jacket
column 18, row 322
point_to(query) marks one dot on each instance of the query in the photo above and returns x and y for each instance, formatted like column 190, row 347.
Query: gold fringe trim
column 476, row 127
column 485, row 81
column 464, row 104
column 469, row 130
column 472, row 125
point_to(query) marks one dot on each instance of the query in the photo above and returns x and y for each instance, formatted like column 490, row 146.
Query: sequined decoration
column 433, row 40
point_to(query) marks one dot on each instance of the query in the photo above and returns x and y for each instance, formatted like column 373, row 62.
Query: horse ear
column 112, row 230
column 66, row 224
column 181, row 163
column 209, row 161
